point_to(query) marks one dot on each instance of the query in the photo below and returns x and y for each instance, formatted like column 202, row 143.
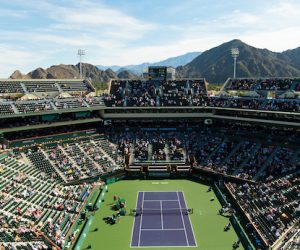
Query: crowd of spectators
column 150, row 145
column 141, row 94
column 281, row 164
column 174, row 94
column 36, row 204
column 270, row 84
column 193, row 93
column 256, row 158
column 274, row 84
column 116, row 97
column 148, row 93
column 138, row 93
column 255, row 103
column 75, row 160
column 272, row 206
column 31, row 193
column 291, row 240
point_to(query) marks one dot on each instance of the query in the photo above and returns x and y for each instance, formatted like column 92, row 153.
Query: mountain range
column 215, row 64
column 63, row 71
column 170, row 62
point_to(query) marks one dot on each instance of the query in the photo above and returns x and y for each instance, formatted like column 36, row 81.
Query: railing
column 216, row 173
column 264, row 240
column 234, row 221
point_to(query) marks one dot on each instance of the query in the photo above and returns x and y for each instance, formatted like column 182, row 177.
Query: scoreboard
column 157, row 73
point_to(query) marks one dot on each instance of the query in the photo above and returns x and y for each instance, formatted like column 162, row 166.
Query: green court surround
column 207, row 224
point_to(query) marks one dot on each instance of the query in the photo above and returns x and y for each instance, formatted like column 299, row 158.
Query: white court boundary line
column 170, row 229
column 141, row 221
column 161, row 216
column 189, row 219
column 187, row 241
column 155, row 247
column 134, row 219
column 158, row 200
column 160, row 247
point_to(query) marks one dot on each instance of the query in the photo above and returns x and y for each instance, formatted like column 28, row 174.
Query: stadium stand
column 52, row 147
column 11, row 87
column 148, row 93
column 271, row 205
column 273, row 84
column 38, row 106
column 44, row 85
column 46, row 207
column 6, row 109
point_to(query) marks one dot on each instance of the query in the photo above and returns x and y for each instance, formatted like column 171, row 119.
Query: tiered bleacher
column 33, row 96
column 7, row 87
column 6, row 109
column 147, row 93
column 36, row 209
column 174, row 93
column 272, row 207
column 75, row 86
column 255, row 104
column 141, row 93
column 241, row 158
column 70, row 161
column 32, row 107
column 69, row 103
column 192, row 92
column 39, row 203
column 44, row 85
column 116, row 96
column 272, row 84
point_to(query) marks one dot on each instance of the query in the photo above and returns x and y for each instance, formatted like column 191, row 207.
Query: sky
column 36, row 33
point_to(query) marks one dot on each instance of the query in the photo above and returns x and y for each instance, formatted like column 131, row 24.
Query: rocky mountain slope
column 216, row 64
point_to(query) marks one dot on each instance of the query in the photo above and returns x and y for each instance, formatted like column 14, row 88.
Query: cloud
column 13, row 13
column 52, row 33
column 13, row 58
column 99, row 29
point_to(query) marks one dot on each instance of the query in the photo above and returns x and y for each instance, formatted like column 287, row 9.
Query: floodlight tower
column 80, row 53
column 234, row 53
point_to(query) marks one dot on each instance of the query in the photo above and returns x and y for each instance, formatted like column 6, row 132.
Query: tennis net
column 139, row 211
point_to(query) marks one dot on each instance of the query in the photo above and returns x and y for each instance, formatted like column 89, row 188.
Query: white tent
column 64, row 95
column 29, row 97
column 91, row 94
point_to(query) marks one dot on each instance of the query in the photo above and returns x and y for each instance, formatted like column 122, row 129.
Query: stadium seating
column 255, row 104
column 44, row 85
column 269, row 84
column 37, row 106
column 75, row 86
column 69, row 103
column 6, row 109
column 42, row 203
column 148, row 93
column 41, row 87
column 174, row 93
column 141, row 93
column 73, row 161
column 271, row 205
column 10, row 87
column 37, row 181
column 39, row 160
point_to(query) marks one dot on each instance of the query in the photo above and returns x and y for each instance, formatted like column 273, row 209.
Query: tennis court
column 162, row 220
